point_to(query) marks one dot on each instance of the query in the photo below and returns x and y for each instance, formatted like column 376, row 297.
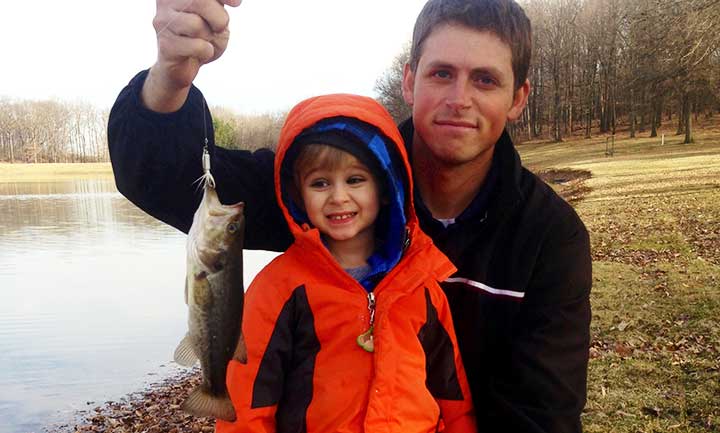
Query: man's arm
column 156, row 160
column 544, row 386
column 158, row 125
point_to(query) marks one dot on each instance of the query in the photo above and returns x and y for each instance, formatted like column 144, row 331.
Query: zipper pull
column 365, row 340
column 371, row 307
column 406, row 242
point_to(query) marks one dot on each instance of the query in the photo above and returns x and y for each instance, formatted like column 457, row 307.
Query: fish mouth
column 226, row 209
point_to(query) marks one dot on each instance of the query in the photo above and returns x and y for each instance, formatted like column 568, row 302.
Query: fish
column 214, row 295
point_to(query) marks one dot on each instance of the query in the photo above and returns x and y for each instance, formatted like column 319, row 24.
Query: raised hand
column 190, row 33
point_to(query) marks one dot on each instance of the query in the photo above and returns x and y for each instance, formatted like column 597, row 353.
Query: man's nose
column 458, row 97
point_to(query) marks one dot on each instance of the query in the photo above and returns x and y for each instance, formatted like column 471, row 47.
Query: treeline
column 599, row 67
column 55, row 131
column 51, row 131
column 603, row 65
column 249, row 132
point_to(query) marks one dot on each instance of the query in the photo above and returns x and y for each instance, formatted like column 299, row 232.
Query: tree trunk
column 654, row 121
column 588, row 122
column 632, row 114
column 687, row 112
column 681, row 115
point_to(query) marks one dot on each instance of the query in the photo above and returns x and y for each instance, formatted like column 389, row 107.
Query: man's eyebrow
column 495, row 72
column 441, row 64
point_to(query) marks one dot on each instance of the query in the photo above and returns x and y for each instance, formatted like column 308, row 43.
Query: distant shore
column 51, row 172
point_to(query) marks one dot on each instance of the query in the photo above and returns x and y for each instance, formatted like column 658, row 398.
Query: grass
column 653, row 213
column 52, row 172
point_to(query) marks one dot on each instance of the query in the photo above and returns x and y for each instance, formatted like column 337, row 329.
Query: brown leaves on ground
column 703, row 232
column 156, row 410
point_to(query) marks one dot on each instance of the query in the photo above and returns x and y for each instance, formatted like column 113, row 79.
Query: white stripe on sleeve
column 487, row 288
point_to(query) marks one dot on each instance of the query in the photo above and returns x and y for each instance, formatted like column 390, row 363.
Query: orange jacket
column 303, row 314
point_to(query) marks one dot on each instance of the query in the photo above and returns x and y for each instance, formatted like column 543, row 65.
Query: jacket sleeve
column 542, row 389
column 156, row 159
column 273, row 391
column 445, row 370
column 255, row 394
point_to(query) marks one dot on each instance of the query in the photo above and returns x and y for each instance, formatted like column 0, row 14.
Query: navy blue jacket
column 520, row 298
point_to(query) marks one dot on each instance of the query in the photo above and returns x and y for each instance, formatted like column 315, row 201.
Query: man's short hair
column 505, row 18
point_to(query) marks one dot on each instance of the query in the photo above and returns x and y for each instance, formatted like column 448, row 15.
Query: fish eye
column 232, row 228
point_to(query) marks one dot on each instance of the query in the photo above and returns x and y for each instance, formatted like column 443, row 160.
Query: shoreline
column 155, row 409
column 52, row 172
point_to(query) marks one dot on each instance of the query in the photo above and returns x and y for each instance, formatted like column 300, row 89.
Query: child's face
column 462, row 93
column 342, row 202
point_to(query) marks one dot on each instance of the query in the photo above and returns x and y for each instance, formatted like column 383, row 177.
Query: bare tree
column 389, row 87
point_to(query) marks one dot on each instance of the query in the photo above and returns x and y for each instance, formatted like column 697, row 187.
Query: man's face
column 462, row 94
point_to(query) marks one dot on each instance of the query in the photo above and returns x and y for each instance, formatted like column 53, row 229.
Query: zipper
column 371, row 307
column 365, row 340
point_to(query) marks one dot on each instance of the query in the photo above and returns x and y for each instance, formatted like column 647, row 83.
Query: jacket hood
column 368, row 124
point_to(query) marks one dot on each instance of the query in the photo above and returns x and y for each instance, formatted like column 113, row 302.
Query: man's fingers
column 177, row 48
column 213, row 12
column 190, row 25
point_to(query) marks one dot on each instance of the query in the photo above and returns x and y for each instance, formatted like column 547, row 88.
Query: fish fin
column 201, row 403
column 184, row 353
column 240, row 354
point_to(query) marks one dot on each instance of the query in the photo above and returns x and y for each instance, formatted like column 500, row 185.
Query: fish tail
column 201, row 403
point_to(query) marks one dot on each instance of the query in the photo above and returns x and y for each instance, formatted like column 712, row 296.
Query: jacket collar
column 500, row 196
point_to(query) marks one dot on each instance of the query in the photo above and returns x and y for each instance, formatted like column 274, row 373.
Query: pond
column 91, row 300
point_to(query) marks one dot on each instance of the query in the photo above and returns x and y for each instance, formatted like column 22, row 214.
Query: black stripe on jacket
column 285, row 376
column 440, row 373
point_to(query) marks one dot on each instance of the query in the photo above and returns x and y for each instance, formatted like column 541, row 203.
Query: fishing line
column 207, row 176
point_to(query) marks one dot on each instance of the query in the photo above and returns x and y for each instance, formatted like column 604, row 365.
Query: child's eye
column 319, row 183
column 355, row 180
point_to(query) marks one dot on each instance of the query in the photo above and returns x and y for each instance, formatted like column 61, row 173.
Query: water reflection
column 90, row 299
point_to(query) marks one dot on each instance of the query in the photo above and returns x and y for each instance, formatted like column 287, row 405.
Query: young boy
column 348, row 330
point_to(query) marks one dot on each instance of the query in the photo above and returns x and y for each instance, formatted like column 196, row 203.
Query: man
column 520, row 298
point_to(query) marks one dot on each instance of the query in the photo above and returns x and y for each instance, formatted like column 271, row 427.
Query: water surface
column 91, row 300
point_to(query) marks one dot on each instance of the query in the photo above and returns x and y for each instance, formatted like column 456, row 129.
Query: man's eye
column 486, row 80
column 442, row 74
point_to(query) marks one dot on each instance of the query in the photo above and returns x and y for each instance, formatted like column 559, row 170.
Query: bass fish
column 214, row 295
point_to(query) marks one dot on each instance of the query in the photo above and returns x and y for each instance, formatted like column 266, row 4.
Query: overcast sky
column 280, row 51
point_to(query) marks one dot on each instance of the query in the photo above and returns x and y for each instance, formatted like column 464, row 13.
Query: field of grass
column 653, row 213
column 53, row 172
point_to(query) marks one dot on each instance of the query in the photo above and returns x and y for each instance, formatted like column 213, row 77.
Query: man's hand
column 190, row 33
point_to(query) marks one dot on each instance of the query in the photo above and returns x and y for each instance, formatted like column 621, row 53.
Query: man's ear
column 408, row 84
column 520, row 99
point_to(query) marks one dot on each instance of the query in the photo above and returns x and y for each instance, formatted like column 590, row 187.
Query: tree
column 389, row 87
